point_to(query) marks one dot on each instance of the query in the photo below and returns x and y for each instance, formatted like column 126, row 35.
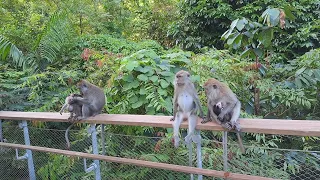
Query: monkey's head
column 211, row 87
column 182, row 77
column 219, row 105
column 83, row 86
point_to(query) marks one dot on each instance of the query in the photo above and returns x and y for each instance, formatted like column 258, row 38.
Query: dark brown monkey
column 73, row 107
column 185, row 105
column 219, row 93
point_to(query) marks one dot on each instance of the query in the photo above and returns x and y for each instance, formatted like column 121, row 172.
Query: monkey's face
column 219, row 105
column 83, row 87
column 182, row 77
column 210, row 89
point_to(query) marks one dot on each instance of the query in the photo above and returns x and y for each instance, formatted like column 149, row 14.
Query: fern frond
column 56, row 35
column 9, row 50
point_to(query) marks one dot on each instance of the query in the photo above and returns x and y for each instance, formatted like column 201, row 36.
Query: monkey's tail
column 66, row 135
column 240, row 143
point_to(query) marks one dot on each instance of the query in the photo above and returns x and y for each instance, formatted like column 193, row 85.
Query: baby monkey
column 73, row 107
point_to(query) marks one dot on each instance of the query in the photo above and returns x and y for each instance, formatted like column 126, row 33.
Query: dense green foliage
column 267, row 51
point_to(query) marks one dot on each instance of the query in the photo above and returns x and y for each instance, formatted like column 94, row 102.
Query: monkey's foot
column 70, row 119
column 188, row 139
column 237, row 127
column 176, row 141
column 172, row 119
column 206, row 120
column 227, row 126
column 196, row 138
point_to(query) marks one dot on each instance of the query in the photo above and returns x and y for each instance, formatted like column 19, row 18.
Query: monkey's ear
column 214, row 86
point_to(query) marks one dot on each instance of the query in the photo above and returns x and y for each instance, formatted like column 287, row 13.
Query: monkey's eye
column 188, row 75
column 214, row 86
column 178, row 76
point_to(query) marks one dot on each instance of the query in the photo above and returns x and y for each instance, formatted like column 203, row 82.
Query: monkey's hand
column 176, row 141
column 220, row 117
column 237, row 127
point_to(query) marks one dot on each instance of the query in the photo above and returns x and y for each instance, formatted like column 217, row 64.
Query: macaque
column 185, row 105
column 93, row 99
column 73, row 107
column 220, row 95
column 92, row 102
column 225, row 122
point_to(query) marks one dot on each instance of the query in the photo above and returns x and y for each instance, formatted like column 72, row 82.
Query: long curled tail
column 66, row 135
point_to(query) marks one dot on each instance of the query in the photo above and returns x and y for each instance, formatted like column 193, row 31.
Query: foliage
column 12, row 96
column 8, row 49
column 254, row 37
column 56, row 36
column 201, row 23
column 117, row 45
column 150, row 20
column 86, row 40
column 57, row 167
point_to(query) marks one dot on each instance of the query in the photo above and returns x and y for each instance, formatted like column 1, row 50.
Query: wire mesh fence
column 260, row 161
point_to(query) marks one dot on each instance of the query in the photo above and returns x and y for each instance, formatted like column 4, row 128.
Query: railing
column 267, row 126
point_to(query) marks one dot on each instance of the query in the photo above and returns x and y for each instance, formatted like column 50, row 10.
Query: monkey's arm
column 197, row 101
column 63, row 107
column 210, row 115
column 213, row 115
column 80, row 100
column 175, row 106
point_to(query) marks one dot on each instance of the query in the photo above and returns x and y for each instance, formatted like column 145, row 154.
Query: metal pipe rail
column 267, row 126
column 148, row 164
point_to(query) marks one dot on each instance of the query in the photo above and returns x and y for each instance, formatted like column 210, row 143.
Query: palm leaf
column 9, row 50
column 57, row 34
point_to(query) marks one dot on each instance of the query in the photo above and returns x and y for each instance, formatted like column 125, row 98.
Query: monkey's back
column 100, row 98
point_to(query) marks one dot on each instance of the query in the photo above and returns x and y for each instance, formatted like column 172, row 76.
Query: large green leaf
column 131, row 65
column 266, row 36
column 164, row 83
column 142, row 77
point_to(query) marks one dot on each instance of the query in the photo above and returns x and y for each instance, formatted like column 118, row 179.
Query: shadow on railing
column 156, row 157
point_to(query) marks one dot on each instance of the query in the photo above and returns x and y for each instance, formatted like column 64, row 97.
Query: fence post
column 199, row 156
column 103, row 140
column 93, row 132
column 225, row 150
column 1, row 136
column 32, row 174
column 190, row 157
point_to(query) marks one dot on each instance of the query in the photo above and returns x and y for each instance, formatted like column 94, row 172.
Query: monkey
column 73, row 107
column 93, row 99
column 219, row 94
column 92, row 102
column 185, row 105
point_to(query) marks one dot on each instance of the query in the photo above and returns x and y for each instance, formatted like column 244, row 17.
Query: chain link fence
column 260, row 161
